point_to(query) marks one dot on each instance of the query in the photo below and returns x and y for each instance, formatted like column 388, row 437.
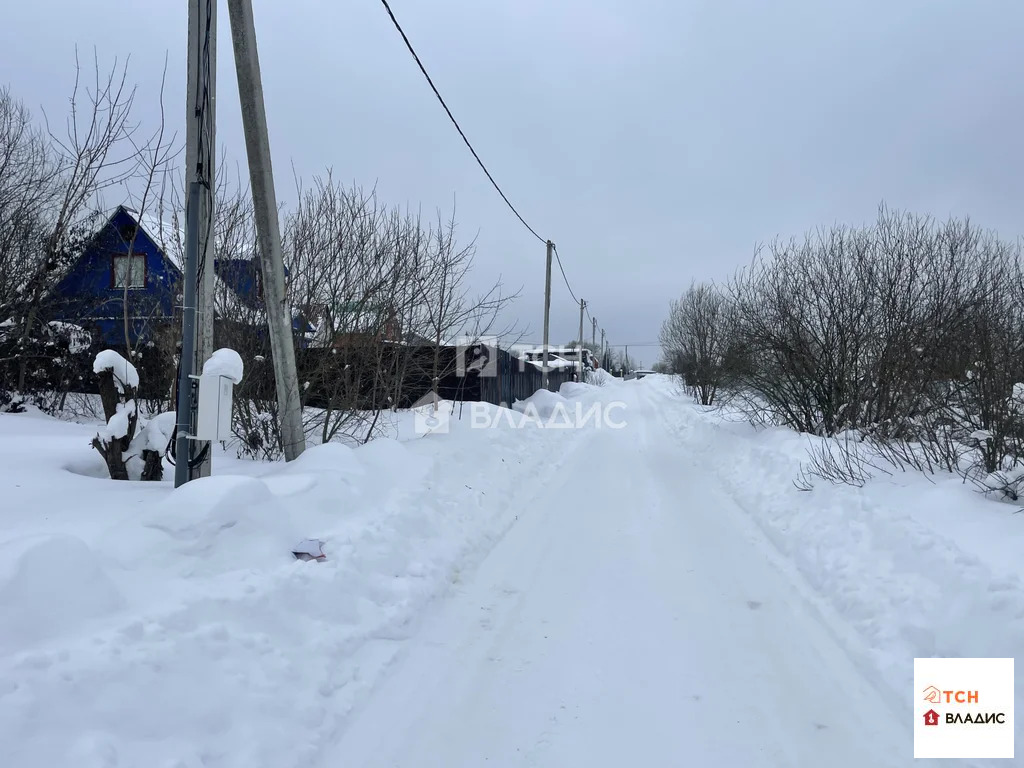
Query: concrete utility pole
column 583, row 307
column 593, row 332
column 547, row 311
column 604, row 351
column 200, row 156
column 261, row 175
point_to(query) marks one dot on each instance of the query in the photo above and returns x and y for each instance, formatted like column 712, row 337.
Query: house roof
column 229, row 293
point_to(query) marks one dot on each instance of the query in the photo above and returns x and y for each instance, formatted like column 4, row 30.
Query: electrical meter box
column 213, row 420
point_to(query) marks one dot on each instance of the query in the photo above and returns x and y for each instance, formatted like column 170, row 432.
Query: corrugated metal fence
column 514, row 379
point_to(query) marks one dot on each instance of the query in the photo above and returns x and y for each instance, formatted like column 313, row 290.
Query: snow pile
column 225, row 362
column 125, row 374
column 541, row 404
column 600, row 377
column 51, row 585
column 213, row 525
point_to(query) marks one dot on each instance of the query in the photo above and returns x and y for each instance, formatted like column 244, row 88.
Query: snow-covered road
column 635, row 617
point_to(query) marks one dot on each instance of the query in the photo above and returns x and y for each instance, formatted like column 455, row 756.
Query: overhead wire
column 476, row 156
column 562, row 270
column 455, row 122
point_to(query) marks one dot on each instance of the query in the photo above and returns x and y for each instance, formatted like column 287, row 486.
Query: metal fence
column 516, row 379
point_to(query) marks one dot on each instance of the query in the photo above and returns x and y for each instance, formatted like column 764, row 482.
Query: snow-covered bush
column 128, row 439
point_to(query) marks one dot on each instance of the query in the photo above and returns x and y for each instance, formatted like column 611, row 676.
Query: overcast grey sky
column 655, row 141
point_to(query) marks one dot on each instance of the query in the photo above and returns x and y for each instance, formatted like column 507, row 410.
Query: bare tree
column 698, row 337
column 93, row 152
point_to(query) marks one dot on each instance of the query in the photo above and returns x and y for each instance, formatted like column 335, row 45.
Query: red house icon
column 931, row 717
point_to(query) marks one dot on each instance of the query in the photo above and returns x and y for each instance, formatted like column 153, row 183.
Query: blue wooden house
column 122, row 265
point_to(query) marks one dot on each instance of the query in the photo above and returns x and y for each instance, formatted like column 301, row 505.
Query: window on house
column 129, row 271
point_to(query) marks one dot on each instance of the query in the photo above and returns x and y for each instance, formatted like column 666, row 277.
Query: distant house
column 122, row 266
column 355, row 323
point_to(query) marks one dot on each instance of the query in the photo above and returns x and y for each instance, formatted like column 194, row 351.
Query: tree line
column 372, row 285
column 902, row 340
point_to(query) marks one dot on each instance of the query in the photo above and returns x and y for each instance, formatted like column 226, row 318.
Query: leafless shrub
column 908, row 333
column 698, row 339
column 841, row 461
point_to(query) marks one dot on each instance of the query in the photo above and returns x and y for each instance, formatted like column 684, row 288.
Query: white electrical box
column 213, row 421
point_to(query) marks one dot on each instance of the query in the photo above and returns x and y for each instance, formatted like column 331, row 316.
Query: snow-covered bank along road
column 142, row 626
column 659, row 595
column 637, row 618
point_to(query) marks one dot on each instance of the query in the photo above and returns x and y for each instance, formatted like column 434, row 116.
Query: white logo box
column 977, row 695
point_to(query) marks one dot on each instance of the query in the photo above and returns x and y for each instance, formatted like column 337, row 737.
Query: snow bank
column 541, row 403
column 213, row 525
column 913, row 567
column 225, row 362
column 600, row 377
column 574, row 389
column 51, row 585
column 183, row 632
column 125, row 374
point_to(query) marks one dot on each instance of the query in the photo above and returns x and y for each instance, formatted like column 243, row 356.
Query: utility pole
column 547, row 310
column 185, row 411
column 593, row 332
column 261, row 175
column 604, row 357
column 200, row 154
column 583, row 307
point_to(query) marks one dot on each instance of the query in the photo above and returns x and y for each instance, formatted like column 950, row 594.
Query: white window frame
column 135, row 265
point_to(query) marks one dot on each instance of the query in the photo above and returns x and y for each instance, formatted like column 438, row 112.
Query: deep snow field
column 518, row 594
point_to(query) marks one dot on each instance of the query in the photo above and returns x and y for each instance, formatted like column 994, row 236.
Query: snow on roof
column 169, row 237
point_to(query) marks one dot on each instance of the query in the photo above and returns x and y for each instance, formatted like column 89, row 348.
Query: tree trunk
column 113, row 450
column 153, row 468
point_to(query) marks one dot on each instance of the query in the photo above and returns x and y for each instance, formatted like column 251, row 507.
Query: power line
column 456, row 123
column 437, row 93
column 562, row 270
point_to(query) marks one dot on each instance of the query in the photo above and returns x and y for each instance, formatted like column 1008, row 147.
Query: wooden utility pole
column 261, row 175
column 583, row 307
column 200, row 156
column 547, row 311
